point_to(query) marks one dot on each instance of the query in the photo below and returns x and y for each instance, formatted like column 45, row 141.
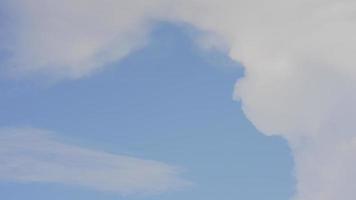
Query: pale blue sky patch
column 164, row 103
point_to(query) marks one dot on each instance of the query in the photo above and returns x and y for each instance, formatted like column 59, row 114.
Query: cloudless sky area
column 170, row 101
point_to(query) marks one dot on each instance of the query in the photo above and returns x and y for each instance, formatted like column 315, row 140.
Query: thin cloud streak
column 34, row 155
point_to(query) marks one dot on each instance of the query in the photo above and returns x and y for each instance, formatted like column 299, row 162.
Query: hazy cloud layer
column 299, row 58
column 71, row 39
column 32, row 155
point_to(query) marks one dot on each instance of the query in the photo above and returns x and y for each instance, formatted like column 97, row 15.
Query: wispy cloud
column 298, row 56
column 33, row 155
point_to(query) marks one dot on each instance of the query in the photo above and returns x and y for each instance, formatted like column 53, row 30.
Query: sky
column 171, row 102
column 178, row 99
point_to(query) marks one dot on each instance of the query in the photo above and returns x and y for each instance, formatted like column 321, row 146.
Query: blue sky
column 171, row 102
column 134, row 99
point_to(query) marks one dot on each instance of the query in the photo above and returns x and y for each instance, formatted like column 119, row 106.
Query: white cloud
column 299, row 58
column 33, row 155
column 74, row 38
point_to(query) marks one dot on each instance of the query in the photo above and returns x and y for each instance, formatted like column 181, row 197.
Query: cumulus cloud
column 299, row 81
column 298, row 56
column 34, row 155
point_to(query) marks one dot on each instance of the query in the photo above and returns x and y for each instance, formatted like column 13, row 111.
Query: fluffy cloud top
column 299, row 58
column 32, row 155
